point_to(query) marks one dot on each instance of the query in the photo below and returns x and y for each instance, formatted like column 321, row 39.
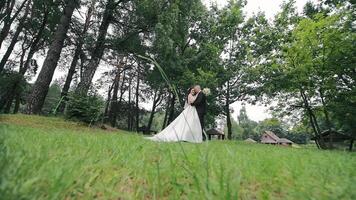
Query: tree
column 99, row 48
column 33, row 39
column 231, row 19
column 8, row 19
column 15, row 36
column 36, row 98
column 157, row 100
column 312, row 64
column 77, row 53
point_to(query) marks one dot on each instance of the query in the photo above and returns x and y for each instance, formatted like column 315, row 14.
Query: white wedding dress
column 186, row 127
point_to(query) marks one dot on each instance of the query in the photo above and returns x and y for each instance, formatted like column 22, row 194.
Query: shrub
column 11, row 83
column 85, row 108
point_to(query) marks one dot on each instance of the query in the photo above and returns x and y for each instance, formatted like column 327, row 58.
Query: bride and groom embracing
column 189, row 125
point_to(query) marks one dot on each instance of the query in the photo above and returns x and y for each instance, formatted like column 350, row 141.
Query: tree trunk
column 114, row 104
column 33, row 48
column 137, row 110
column 36, row 42
column 227, row 110
column 312, row 118
column 76, row 57
column 165, row 115
column 8, row 20
column 171, row 108
column 106, row 110
column 15, row 37
column 17, row 103
column 129, row 108
column 38, row 94
column 150, row 120
column 155, row 103
column 97, row 53
column 327, row 119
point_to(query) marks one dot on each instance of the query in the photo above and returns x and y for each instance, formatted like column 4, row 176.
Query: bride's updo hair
column 188, row 92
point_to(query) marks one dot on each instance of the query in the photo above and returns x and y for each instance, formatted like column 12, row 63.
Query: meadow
column 51, row 158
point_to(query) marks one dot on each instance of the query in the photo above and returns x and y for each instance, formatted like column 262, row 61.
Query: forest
column 99, row 61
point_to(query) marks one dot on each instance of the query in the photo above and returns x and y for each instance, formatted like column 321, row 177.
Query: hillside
column 51, row 158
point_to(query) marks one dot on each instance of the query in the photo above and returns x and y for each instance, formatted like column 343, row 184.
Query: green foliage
column 10, row 83
column 85, row 108
column 311, row 70
column 52, row 99
column 237, row 130
column 247, row 128
column 50, row 158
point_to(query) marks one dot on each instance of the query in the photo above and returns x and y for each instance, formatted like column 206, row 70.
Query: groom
column 200, row 105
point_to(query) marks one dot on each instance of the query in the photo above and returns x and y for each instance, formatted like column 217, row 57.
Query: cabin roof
column 250, row 140
column 214, row 131
column 272, row 135
column 273, row 138
column 269, row 137
column 284, row 140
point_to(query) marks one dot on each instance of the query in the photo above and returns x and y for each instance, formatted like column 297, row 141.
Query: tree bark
column 40, row 89
column 98, row 51
column 15, row 37
column 77, row 53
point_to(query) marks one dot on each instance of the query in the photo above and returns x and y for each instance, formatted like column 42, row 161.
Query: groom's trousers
column 201, row 119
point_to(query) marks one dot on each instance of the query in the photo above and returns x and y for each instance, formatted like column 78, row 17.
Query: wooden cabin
column 285, row 142
column 215, row 133
column 331, row 139
column 268, row 137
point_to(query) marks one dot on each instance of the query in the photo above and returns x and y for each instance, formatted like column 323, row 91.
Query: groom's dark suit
column 200, row 105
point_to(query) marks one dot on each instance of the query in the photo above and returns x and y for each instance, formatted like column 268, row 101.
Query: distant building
column 285, row 142
column 215, row 133
column 268, row 137
column 334, row 140
column 250, row 140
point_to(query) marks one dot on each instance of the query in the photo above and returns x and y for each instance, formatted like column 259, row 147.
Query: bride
column 186, row 127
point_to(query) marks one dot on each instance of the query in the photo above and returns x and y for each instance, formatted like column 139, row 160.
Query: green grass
column 50, row 158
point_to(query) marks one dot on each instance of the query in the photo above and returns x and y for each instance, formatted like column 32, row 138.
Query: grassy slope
column 50, row 158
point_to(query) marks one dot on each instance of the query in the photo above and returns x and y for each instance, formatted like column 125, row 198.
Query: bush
column 85, row 108
column 11, row 83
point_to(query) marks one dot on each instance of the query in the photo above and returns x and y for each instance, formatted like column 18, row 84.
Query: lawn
column 51, row 158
